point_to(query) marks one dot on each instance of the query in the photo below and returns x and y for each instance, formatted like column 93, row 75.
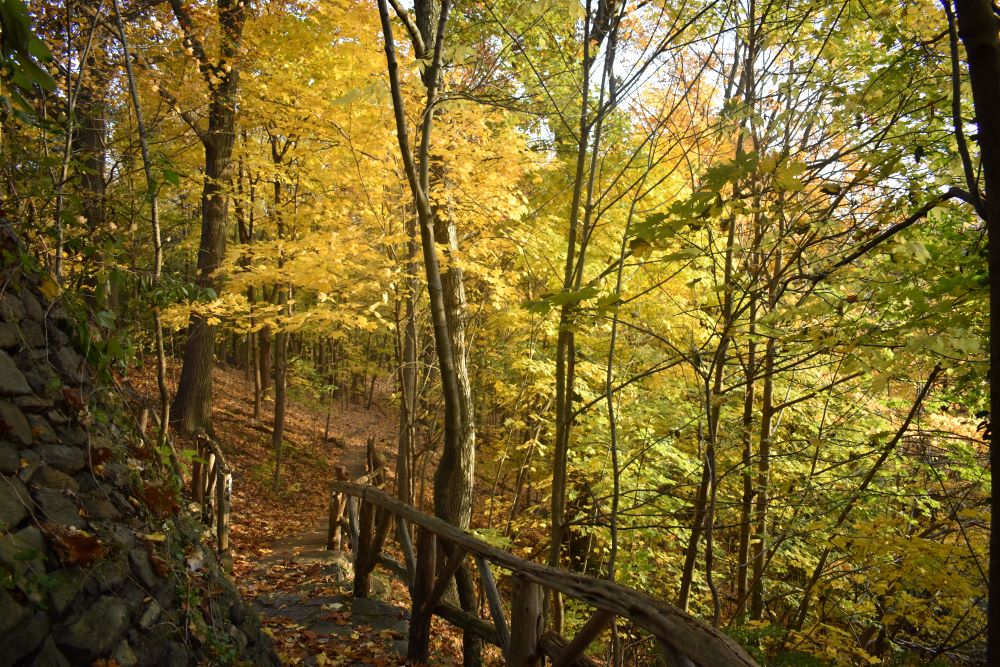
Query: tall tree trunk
column 408, row 370
column 192, row 408
column 453, row 479
column 977, row 28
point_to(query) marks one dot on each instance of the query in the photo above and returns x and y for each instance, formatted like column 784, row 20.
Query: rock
column 124, row 655
column 23, row 551
column 9, row 335
column 141, row 567
column 43, row 381
column 238, row 638
column 67, row 459
column 14, row 427
column 150, row 615
column 50, row 656
column 99, row 508
column 32, row 308
column 47, row 477
column 12, row 614
column 11, row 307
column 66, row 585
column 32, row 334
column 12, row 381
column 70, row 365
column 40, row 429
column 175, row 655
column 108, row 574
column 32, row 403
column 59, row 508
column 237, row 611
column 72, row 435
column 24, row 639
column 15, row 502
column 96, row 631
column 57, row 417
column 10, row 461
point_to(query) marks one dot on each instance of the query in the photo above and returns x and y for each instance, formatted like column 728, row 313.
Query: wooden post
column 197, row 475
column 224, row 490
column 410, row 560
column 418, row 644
column 597, row 623
column 338, row 506
column 493, row 598
column 362, row 551
column 525, row 624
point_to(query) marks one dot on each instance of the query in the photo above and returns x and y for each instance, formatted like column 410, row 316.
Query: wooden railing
column 681, row 639
column 212, row 488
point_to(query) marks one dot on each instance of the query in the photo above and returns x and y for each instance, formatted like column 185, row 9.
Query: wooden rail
column 212, row 489
column 682, row 639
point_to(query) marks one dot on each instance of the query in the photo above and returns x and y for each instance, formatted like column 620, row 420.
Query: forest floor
column 301, row 590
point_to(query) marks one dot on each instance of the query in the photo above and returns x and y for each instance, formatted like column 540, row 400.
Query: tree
column 192, row 408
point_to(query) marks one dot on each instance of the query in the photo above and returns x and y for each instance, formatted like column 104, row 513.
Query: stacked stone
column 126, row 597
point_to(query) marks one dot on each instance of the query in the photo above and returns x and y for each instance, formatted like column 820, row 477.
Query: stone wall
column 94, row 563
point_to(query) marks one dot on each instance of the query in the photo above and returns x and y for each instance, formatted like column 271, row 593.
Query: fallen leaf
column 73, row 546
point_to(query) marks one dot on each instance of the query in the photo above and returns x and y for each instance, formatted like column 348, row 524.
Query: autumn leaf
column 73, row 546
column 162, row 502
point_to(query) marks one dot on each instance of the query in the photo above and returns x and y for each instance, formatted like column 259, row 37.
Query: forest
column 692, row 296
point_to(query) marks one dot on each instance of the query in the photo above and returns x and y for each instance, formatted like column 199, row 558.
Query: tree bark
column 978, row 29
column 192, row 407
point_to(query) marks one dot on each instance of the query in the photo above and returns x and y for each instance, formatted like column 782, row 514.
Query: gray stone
column 15, row 503
column 12, row 381
column 43, row 381
column 108, row 574
column 46, row 477
column 24, row 639
column 141, row 567
column 32, row 334
column 175, row 655
column 23, row 551
column 150, row 615
column 32, row 403
column 72, row 435
column 59, row 508
column 10, row 461
column 32, row 308
column 50, row 656
column 17, row 429
column 57, row 417
column 67, row 459
column 11, row 307
column 124, row 655
column 66, row 585
column 41, row 429
column 238, row 638
column 99, row 508
column 70, row 365
column 11, row 613
column 96, row 631
column 9, row 335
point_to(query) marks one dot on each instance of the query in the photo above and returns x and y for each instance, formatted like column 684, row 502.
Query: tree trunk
column 977, row 28
column 192, row 408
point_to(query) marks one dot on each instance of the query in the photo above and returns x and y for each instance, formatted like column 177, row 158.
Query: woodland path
column 312, row 598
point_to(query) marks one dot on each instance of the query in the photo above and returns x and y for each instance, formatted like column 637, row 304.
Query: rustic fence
column 212, row 488
column 681, row 639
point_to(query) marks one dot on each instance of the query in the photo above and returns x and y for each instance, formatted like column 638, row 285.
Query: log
column 700, row 642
